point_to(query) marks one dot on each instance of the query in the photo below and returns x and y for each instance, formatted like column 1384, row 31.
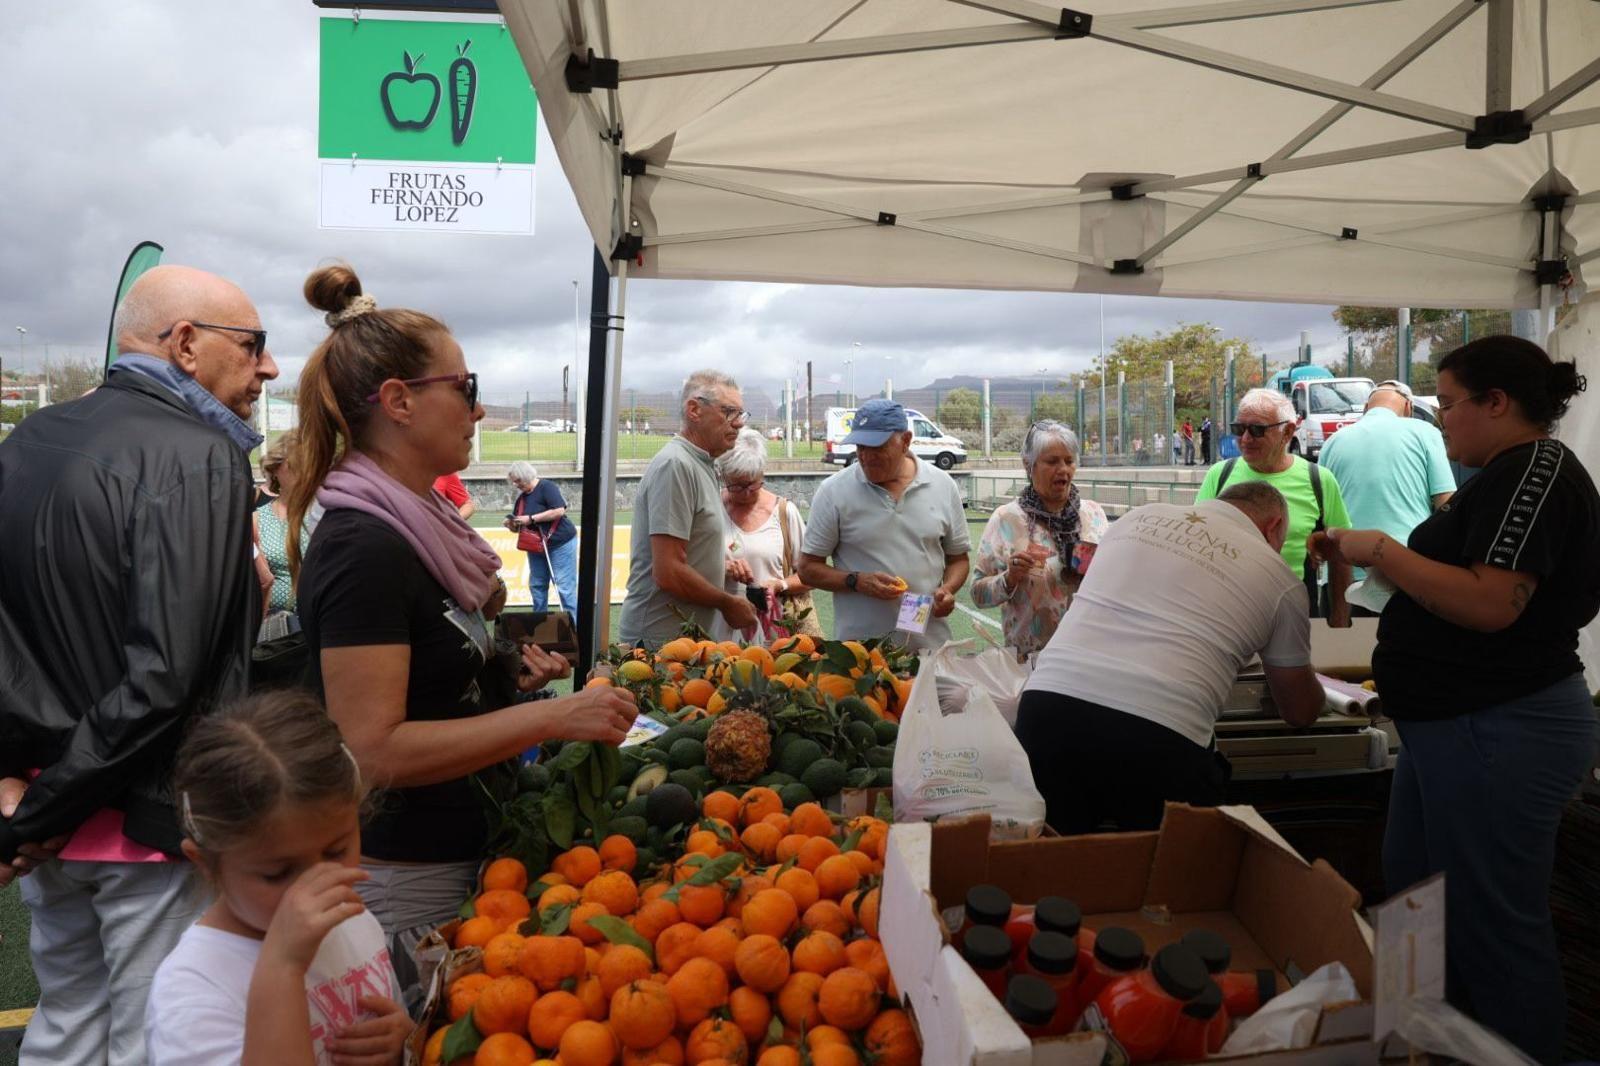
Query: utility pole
column 565, row 380
column 809, row 423
column 1402, row 345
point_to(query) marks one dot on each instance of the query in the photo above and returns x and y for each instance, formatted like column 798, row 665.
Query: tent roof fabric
column 1297, row 150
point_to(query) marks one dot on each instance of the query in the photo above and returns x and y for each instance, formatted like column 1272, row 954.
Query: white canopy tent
column 1375, row 152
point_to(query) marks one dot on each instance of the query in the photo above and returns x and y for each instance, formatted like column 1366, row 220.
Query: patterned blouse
column 1030, row 614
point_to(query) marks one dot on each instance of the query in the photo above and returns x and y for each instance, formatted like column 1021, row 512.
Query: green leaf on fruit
column 573, row 754
column 553, row 921
column 462, row 1041
column 618, row 931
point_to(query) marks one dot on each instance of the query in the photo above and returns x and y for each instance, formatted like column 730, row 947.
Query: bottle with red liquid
column 1243, row 991
column 1142, row 1010
column 1052, row 914
column 988, row 951
column 1031, row 1002
column 1202, row 1027
column 985, row 905
column 1054, row 958
column 1117, row 953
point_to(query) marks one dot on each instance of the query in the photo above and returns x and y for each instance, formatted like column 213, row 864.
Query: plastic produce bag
column 994, row 668
column 1290, row 1020
column 956, row 756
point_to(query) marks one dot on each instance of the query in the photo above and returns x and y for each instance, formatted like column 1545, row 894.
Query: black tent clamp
column 1499, row 127
column 1549, row 271
column 588, row 73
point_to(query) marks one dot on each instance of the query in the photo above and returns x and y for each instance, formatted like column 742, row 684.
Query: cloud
column 195, row 125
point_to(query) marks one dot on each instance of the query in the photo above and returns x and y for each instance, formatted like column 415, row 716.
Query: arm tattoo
column 1520, row 595
column 1377, row 549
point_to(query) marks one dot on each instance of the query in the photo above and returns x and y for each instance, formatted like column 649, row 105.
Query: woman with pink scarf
column 396, row 594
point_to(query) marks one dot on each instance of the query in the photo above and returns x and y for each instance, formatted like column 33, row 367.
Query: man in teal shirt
column 1265, row 426
column 1391, row 467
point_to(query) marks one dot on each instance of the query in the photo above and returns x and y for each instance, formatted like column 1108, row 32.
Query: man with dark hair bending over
column 1118, row 716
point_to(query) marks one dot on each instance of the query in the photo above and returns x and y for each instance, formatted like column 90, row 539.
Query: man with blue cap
column 893, row 525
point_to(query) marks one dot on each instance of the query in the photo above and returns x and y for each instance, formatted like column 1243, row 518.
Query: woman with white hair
column 1265, row 425
column 541, row 509
column 1036, row 549
column 765, row 532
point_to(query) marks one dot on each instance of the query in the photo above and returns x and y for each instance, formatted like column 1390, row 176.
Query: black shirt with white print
column 362, row 584
column 1533, row 509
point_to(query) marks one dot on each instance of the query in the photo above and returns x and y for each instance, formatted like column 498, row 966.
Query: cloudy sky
column 194, row 124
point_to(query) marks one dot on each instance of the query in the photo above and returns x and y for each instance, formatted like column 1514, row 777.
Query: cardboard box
column 1222, row 869
column 854, row 802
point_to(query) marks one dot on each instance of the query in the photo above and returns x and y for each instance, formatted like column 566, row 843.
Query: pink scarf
column 453, row 553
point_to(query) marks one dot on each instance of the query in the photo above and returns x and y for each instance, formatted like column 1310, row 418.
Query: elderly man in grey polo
column 679, row 540
column 892, row 524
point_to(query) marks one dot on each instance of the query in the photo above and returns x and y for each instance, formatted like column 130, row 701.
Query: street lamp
column 22, row 334
column 850, row 369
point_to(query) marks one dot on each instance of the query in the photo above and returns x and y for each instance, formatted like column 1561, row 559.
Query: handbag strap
column 788, row 549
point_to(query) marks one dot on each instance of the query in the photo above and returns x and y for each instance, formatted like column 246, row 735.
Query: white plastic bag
column 955, row 755
column 1290, row 1020
column 994, row 668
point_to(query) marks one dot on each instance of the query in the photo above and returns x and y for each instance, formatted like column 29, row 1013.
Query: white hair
column 1269, row 398
column 521, row 472
column 702, row 382
column 1257, row 499
column 1041, row 435
column 747, row 458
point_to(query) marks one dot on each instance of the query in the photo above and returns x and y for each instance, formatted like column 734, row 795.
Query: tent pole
column 1498, row 65
column 599, row 432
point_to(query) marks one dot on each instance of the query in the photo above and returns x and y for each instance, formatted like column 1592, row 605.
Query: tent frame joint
column 632, row 165
column 1347, row 233
column 1553, row 202
column 1550, row 271
column 1126, row 266
column 587, row 73
column 629, row 246
column 1499, row 127
column 1125, row 191
column 886, row 218
column 1073, row 24
column 1254, row 171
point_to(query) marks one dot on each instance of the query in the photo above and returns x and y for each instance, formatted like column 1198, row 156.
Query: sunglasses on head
column 467, row 383
column 258, row 337
column 1241, row 428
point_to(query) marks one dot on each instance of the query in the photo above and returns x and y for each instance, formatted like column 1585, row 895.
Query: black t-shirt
column 362, row 584
column 546, row 497
column 1533, row 509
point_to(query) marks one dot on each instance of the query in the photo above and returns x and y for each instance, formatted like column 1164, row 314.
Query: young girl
column 286, row 967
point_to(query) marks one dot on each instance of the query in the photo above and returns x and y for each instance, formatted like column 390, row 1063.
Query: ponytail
column 1522, row 370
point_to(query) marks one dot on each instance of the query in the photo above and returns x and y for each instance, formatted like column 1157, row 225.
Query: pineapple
column 738, row 746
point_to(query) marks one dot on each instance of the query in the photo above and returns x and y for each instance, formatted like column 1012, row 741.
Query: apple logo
column 412, row 90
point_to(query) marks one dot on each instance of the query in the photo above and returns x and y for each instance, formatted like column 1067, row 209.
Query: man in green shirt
column 1265, row 425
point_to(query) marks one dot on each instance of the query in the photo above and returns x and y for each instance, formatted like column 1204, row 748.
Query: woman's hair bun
column 1564, row 381
column 331, row 288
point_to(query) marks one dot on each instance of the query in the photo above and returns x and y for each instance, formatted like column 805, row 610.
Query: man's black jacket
column 128, row 603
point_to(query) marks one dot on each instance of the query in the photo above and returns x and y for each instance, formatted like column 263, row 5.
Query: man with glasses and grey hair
column 679, row 541
column 1265, row 426
column 128, row 605
column 1392, row 468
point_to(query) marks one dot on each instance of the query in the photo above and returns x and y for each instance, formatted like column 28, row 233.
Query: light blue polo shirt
column 865, row 529
column 1389, row 469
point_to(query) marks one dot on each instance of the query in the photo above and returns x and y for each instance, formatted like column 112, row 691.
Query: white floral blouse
column 1030, row 613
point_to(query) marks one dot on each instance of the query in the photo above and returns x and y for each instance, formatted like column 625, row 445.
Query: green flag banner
column 145, row 255
column 425, row 126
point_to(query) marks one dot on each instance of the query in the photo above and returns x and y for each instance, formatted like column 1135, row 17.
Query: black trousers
column 1100, row 769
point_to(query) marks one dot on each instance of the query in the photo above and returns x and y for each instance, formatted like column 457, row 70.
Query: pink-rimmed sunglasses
column 467, row 383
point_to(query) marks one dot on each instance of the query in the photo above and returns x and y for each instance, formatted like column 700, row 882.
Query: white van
column 928, row 441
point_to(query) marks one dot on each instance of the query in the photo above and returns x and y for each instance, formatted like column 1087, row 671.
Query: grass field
column 17, row 987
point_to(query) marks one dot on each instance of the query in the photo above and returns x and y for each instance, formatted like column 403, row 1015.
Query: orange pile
column 777, row 964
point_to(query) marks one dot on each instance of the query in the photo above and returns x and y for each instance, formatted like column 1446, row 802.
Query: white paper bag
column 956, row 755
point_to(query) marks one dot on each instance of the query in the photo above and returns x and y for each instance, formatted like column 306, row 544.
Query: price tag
column 644, row 729
column 915, row 611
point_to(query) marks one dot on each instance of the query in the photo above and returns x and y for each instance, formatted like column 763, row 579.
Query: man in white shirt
column 1118, row 716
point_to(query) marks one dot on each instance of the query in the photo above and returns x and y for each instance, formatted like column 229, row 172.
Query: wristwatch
column 850, row 580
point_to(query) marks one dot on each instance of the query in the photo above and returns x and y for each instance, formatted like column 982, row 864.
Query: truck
column 1324, row 404
column 928, row 441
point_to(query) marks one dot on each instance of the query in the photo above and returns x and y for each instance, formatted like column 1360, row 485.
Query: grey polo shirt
column 678, row 497
column 863, row 528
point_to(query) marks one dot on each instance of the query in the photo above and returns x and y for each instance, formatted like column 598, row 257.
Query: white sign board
column 442, row 197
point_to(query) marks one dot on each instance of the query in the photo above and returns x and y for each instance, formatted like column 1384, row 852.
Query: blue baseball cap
column 875, row 422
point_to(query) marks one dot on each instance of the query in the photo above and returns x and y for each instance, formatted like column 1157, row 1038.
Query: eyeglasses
column 467, row 383
column 258, row 337
column 1241, row 428
column 730, row 412
column 743, row 487
column 1443, row 407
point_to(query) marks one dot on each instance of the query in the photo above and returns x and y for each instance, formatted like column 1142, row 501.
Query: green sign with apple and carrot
column 425, row 125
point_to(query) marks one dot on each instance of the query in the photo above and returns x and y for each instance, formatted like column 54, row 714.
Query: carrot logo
column 463, row 91
column 413, row 91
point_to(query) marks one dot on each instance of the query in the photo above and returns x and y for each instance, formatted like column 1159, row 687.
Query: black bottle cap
column 1055, row 914
column 986, row 947
column 1179, row 971
column 1206, row 1004
column 1119, row 949
column 1212, row 949
column 1030, row 1000
column 1052, row 953
column 988, row 905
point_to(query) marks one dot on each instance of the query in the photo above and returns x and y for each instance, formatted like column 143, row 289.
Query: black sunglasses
column 258, row 337
column 467, row 383
column 1241, row 428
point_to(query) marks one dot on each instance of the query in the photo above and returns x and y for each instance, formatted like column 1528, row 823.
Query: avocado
column 794, row 795
column 886, row 731
column 860, row 777
column 686, row 753
column 860, row 734
column 533, row 777
column 699, row 729
column 633, row 827
column 798, row 755
column 650, row 778
column 617, row 796
column 882, row 755
column 688, row 780
column 669, row 805
column 885, row 777
column 856, row 708
column 633, row 808
column 824, row 778
column 781, row 742
column 776, row 780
